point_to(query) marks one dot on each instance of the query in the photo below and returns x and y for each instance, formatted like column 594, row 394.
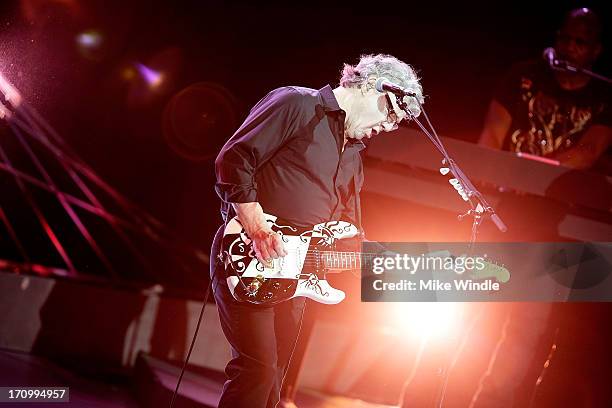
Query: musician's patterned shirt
column 545, row 117
column 287, row 155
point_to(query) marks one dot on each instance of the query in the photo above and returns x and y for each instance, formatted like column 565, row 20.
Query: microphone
column 383, row 84
column 550, row 56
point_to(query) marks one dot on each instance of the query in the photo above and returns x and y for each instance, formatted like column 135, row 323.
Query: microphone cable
column 195, row 334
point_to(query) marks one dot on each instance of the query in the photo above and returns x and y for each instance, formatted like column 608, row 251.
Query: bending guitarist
column 295, row 156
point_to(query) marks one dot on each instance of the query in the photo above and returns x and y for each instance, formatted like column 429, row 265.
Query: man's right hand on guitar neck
column 267, row 244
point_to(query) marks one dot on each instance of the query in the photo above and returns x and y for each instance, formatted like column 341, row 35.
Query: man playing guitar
column 296, row 156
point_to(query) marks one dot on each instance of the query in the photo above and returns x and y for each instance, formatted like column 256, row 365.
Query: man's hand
column 267, row 244
column 589, row 148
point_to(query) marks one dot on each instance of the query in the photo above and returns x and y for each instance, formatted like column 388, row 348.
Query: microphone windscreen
column 549, row 54
column 379, row 84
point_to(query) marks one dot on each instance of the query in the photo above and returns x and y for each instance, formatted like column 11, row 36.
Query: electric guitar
column 301, row 272
column 310, row 256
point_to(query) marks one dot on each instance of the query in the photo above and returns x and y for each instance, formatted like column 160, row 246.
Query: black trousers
column 262, row 340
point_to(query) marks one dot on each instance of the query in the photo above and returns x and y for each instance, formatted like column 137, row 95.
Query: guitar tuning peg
column 444, row 170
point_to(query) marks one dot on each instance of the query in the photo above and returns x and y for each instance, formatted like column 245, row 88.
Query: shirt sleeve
column 508, row 89
column 604, row 115
column 269, row 125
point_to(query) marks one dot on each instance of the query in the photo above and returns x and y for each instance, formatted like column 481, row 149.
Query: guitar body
column 300, row 273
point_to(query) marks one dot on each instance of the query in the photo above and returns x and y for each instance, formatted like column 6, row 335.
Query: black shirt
column 287, row 155
column 545, row 117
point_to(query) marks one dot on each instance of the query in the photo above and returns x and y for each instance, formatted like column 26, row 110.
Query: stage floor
column 18, row 369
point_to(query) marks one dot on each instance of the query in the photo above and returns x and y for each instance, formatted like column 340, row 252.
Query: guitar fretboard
column 346, row 260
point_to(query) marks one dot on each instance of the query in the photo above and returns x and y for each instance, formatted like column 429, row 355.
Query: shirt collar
column 328, row 99
column 330, row 104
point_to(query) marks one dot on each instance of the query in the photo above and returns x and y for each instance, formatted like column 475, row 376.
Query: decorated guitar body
column 300, row 273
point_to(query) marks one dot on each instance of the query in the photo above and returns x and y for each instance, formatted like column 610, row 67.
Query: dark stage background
column 157, row 145
column 147, row 93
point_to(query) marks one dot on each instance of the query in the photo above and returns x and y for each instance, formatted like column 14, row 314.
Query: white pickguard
column 288, row 267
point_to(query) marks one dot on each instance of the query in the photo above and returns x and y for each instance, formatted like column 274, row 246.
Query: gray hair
column 387, row 66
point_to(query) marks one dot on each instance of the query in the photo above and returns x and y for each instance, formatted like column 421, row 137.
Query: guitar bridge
column 255, row 285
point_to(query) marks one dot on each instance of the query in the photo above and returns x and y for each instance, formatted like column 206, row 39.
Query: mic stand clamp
column 460, row 181
column 477, row 213
column 479, row 206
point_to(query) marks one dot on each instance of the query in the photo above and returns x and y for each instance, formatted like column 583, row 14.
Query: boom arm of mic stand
column 456, row 171
column 564, row 66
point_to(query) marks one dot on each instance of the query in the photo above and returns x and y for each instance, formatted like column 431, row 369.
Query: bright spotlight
column 427, row 319
column 11, row 94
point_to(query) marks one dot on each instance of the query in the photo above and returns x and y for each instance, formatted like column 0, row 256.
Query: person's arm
column 589, row 148
column 496, row 126
column 266, row 243
column 269, row 125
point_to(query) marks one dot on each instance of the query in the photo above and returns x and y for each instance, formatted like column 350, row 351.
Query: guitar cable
column 197, row 329
column 195, row 334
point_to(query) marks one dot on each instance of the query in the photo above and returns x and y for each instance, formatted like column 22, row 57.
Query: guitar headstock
column 491, row 270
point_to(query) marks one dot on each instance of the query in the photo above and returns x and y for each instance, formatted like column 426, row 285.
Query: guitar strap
column 357, row 205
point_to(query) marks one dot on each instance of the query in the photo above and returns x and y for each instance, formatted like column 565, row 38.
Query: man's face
column 578, row 44
column 372, row 113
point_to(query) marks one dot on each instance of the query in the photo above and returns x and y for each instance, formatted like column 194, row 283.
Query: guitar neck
column 334, row 261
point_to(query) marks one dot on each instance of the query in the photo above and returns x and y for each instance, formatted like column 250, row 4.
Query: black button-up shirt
column 288, row 156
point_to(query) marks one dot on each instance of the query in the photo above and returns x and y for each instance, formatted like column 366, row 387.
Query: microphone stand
column 480, row 209
column 561, row 65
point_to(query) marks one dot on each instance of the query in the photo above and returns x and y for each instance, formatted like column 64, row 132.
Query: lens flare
column 427, row 320
column 197, row 120
column 89, row 39
column 153, row 78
